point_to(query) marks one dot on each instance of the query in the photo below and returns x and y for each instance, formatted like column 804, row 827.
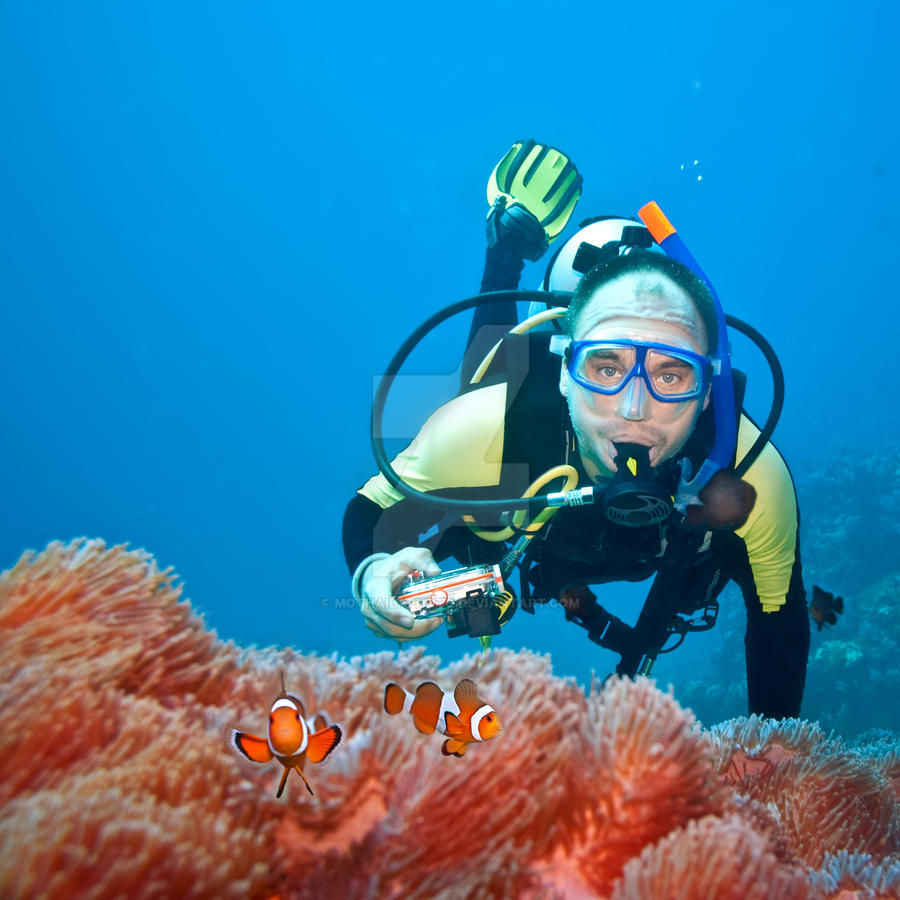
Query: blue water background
column 219, row 220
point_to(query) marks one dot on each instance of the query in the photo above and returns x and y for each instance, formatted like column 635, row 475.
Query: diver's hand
column 532, row 192
column 515, row 231
column 380, row 582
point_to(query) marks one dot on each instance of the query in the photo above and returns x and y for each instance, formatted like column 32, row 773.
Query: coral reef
column 853, row 667
column 850, row 504
column 117, row 778
column 851, row 544
column 856, row 665
column 850, row 538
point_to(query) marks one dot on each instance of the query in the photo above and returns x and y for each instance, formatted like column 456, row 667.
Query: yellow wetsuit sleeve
column 770, row 533
column 460, row 445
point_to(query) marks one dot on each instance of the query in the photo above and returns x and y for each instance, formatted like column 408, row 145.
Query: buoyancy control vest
column 580, row 546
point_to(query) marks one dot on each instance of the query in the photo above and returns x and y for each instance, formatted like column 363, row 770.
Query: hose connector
column 579, row 497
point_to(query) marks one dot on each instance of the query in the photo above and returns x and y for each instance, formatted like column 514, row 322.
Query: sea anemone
column 117, row 778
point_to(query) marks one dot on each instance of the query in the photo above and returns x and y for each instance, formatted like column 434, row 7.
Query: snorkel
column 725, row 441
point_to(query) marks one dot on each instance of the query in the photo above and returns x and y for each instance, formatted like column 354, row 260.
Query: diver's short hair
column 646, row 261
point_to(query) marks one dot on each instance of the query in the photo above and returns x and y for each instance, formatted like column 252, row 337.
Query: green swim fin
column 540, row 178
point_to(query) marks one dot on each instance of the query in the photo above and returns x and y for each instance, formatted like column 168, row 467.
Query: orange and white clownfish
column 292, row 739
column 463, row 716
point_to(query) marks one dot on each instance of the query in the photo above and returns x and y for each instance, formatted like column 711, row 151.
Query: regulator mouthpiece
column 637, row 495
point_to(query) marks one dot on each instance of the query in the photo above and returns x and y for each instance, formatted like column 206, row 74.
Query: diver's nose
column 633, row 402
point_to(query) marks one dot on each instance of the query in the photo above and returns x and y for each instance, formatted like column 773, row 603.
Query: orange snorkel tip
column 655, row 220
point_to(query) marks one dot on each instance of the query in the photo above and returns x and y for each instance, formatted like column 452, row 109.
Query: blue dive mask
column 671, row 374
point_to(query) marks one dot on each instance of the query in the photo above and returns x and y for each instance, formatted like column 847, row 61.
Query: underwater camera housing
column 473, row 600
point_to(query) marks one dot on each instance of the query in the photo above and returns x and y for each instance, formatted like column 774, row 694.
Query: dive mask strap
column 559, row 345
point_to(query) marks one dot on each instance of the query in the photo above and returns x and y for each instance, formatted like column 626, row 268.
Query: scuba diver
column 621, row 385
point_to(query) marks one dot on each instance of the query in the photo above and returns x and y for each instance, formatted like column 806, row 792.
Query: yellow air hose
column 566, row 472
column 540, row 519
column 547, row 315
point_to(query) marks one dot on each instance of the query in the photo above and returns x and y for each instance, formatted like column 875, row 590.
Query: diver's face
column 637, row 306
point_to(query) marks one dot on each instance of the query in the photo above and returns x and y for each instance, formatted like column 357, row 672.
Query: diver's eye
column 672, row 375
column 605, row 366
column 603, row 373
column 670, row 379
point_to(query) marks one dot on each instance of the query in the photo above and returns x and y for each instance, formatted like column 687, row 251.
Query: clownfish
column 463, row 716
column 292, row 738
